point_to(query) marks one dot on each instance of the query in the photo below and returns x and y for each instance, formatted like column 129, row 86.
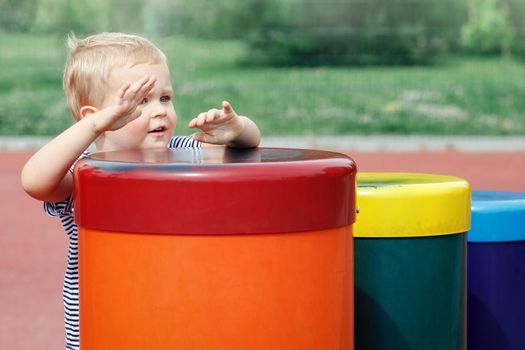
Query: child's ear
column 86, row 110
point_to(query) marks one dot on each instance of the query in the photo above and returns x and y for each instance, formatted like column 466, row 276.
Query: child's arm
column 225, row 127
column 46, row 174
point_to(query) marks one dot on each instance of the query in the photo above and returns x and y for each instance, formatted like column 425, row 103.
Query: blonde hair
column 91, row 61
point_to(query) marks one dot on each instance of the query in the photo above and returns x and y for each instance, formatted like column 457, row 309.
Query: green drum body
column 410, row 261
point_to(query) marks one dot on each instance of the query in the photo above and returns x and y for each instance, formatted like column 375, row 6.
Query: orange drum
column 216, row 249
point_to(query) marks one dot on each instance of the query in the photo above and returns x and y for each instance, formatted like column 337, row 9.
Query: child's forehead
column 134, row 72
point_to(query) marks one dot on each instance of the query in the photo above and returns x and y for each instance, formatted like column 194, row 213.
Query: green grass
column 462, row 96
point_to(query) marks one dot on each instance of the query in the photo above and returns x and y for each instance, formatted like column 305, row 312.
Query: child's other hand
column 219, row 126
column 128, row 99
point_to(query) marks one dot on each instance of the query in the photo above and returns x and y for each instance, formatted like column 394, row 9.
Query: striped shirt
column 65, row 211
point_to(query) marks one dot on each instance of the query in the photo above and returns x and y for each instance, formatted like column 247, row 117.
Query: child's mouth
column 158, row 130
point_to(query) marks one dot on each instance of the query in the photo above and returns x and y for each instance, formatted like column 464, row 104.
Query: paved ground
column 33, row 246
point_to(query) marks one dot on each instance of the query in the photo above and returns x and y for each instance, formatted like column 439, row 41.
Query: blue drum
column 496, row 271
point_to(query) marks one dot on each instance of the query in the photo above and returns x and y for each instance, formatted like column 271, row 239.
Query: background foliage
column 296, row 32
column 359, row 32
column 489, row 29
column 298, row 67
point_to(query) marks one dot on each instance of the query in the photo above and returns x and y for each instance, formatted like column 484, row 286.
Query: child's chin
column 157, row 142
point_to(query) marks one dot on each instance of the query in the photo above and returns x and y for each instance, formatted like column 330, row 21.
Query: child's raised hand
column 128, row 99
column 219, row 126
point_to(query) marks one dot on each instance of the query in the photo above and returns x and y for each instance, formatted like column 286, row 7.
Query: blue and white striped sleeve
column 183, row 142
column 59, row 208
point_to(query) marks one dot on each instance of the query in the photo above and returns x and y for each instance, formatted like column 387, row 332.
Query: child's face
column 155, row 125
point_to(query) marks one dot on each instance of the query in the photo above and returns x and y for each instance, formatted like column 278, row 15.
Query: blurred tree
column 90, row 16
column 203, row 18
column 79, row 16
column 516, row 16
column 127, row 15
column 17, row 15
column 354, row 31
column 488, row 29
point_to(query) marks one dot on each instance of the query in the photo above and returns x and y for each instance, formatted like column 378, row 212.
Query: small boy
column 119, row 91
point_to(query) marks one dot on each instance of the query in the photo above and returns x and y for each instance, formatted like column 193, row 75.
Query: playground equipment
column 216, row 249
column 410, row 262
column 496, row 271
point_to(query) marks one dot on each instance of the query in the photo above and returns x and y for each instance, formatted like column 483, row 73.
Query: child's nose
column 158, row 110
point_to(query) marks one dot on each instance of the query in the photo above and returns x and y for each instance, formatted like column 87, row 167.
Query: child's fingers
column 140, row 86
column 144, row 81
column 205, row 117
column 201, row 119
column 133, row 90
column 191, row 124
column 198, row 121
column 212, row 114
column 145, row 84
column 227, row 107
column 150, row 83
column 122, row 91
column 145, row 89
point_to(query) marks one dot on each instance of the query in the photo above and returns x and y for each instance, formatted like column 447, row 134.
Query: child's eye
column 165, row 99
column 144, row 100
